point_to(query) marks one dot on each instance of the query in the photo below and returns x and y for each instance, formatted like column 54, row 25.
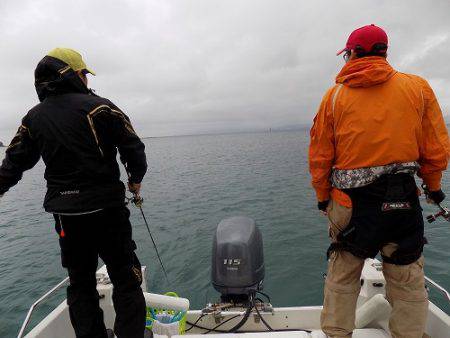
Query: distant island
column 1, row 144
column 290, row 127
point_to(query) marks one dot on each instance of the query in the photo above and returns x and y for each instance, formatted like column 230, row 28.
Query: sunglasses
column 347, row 55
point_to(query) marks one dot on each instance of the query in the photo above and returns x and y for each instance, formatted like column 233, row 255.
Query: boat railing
column 36, row 303
column 438, row 287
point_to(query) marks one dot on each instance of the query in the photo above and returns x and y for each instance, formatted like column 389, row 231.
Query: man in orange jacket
column 375, row 129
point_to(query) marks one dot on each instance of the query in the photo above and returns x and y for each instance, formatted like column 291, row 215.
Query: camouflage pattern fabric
column 355, row 178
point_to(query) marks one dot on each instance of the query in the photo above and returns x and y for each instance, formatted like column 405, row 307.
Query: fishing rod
column 443, row 211
column 138, row 201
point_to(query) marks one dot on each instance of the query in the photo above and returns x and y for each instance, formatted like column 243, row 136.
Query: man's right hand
column 134, row 188
column 322, row 206
column 435, row 197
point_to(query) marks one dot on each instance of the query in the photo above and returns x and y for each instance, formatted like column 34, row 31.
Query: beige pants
column 405, row 288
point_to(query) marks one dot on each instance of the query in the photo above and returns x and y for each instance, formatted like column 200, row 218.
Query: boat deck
column 361, row 333
column 372, row 315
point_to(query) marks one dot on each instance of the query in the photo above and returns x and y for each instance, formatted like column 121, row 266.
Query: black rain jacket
column 77, row 133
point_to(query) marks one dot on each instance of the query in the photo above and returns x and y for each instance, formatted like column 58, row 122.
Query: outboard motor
column 237, row 259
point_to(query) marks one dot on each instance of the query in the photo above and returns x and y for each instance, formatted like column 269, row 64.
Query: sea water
column 193, row 183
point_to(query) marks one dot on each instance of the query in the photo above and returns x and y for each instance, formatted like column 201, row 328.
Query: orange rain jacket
column 376, row 116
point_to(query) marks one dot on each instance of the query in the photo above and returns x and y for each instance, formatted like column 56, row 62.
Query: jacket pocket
column 339, row 218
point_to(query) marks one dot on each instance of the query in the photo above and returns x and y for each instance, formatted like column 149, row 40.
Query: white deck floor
column 371, row 324
column 361, row 333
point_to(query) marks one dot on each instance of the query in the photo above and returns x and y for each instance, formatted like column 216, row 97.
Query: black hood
column 54, row 77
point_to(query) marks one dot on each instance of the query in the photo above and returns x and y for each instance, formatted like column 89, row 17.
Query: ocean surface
column 193, row 183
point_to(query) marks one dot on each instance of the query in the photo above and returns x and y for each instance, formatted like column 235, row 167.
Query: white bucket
column 169, row 330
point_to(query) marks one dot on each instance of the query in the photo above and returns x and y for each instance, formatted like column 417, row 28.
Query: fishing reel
column 136, row 200
column 443, row 211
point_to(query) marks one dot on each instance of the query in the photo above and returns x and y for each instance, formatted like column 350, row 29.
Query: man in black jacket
column 78, row 133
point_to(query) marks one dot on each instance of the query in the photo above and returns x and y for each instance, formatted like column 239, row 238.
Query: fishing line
column 138, row 201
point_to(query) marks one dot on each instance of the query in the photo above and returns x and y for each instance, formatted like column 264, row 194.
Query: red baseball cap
column 365, row 37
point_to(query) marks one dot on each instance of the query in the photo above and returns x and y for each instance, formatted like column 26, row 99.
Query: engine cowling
column 237, row 258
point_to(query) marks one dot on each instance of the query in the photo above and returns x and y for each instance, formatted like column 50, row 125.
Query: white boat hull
column 371, row 317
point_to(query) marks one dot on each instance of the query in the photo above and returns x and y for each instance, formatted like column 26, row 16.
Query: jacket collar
column 365, row 72
column 55, row 77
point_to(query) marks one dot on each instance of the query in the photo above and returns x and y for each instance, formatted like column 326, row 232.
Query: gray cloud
column 180, row 66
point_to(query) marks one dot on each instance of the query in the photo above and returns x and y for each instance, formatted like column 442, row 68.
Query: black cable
column 193, row 325
column 225, row 331
column 246, row 315
column 219, row 325
column 207, row 328
column 261, row 317
column 242, row 322
column 235, row 329
column 265, row 295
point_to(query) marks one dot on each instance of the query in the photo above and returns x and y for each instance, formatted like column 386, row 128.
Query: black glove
column 436, row 196
column 322, row 206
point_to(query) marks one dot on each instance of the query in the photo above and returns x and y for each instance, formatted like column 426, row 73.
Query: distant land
column 1, row 144
column 297, row 127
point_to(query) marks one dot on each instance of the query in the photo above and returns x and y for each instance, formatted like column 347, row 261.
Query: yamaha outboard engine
column 237, row 259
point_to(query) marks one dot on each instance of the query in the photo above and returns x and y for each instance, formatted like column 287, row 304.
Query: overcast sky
column 196, row 66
